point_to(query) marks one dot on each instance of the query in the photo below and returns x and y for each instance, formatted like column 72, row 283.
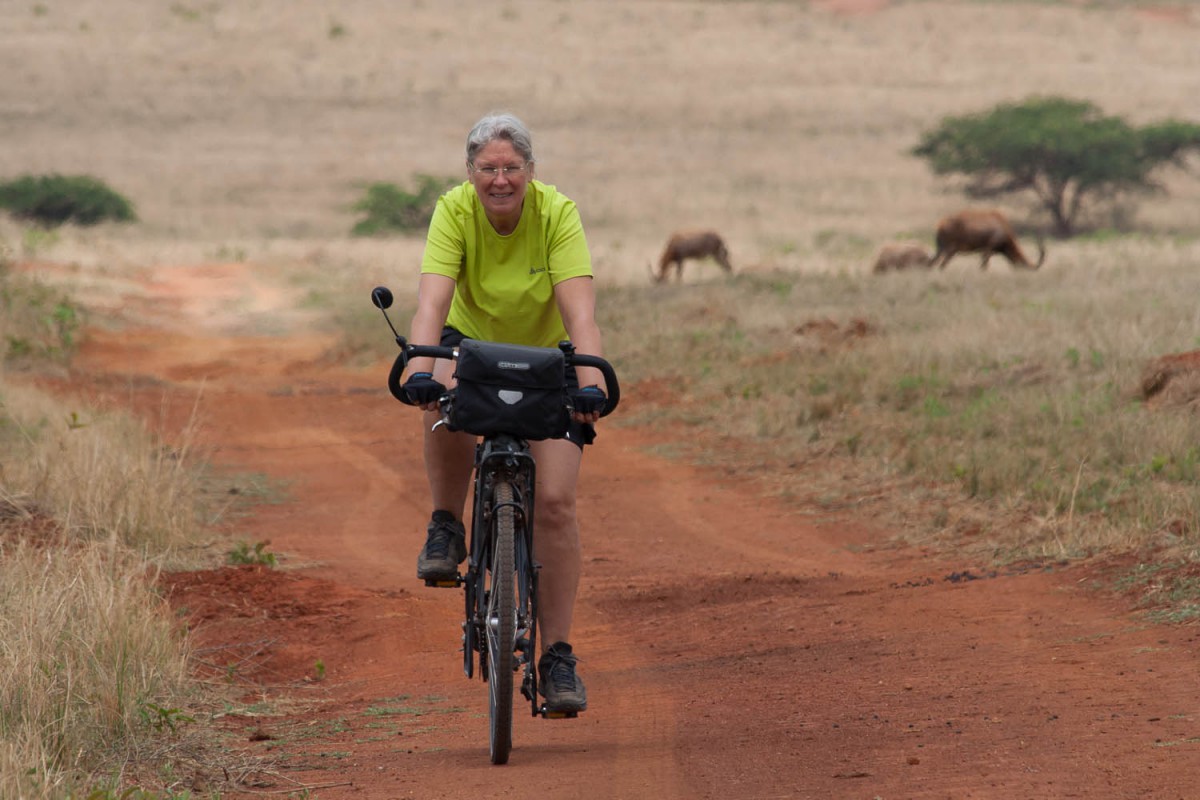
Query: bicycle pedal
column 559, row 714
column 444, row 583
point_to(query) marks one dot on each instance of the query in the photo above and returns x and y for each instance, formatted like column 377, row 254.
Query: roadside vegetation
column 53, row 200
column 388, row 209
column 94, row 682
column 1002, row 408
column 38, row 323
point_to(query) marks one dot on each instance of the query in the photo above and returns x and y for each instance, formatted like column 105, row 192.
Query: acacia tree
column 1065, row 151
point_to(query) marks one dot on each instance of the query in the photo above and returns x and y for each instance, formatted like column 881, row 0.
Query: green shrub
column 37, row 323
column 53, row 200
column 257, row 554
column 390, row 209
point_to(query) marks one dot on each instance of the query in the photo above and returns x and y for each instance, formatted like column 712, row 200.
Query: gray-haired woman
column 506, row 260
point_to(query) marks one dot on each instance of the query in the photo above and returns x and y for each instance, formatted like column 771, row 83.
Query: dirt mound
column 1172, row 380
column 263, row 625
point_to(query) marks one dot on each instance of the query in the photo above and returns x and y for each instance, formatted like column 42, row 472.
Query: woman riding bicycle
column 506, row 260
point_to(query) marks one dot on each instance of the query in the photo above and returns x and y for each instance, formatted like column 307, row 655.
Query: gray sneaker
column 445, row 548
column 557, row 681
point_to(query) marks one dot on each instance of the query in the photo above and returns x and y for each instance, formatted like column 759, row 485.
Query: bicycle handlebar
column 408, row 351
column 610, row 377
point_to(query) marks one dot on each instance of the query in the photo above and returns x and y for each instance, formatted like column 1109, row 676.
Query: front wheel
column 501, row 624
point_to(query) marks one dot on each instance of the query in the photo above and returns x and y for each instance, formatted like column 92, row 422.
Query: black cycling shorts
column 578, row 433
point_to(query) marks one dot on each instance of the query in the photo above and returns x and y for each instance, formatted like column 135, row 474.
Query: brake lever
column 444, row 408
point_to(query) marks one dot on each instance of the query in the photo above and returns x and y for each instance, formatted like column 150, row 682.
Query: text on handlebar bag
column 508, row 388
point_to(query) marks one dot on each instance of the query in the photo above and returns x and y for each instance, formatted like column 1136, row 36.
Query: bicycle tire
column 501, row 624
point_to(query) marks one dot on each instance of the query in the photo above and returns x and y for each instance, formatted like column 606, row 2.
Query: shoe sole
column 568, row 709
column 444, row 572
column 438, row 576
column 564, row 706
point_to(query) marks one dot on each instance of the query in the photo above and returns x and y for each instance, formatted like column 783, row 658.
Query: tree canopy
column 1067, row 152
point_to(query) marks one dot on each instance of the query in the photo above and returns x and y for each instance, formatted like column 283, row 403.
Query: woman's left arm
column 576, row 298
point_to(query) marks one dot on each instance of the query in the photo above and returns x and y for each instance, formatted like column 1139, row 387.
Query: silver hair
column 500, row 126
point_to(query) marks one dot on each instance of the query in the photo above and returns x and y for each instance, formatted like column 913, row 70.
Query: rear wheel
column 501, row 624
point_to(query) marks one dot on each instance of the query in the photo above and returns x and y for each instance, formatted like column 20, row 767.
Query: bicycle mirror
column 381, row 296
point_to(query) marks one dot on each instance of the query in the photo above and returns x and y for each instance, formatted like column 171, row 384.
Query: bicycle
column 506, row 395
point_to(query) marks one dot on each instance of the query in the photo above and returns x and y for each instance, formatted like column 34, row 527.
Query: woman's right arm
column 434, row 294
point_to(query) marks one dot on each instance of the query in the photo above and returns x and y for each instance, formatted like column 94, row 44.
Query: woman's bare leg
column 556, row 543
column 449, row 456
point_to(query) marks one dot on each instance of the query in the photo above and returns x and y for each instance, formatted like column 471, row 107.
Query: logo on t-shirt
column 534, row 270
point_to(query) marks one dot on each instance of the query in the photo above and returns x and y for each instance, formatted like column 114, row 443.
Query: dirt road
column 732, row 648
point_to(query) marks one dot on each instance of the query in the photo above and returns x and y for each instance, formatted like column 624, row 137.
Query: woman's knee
column 555, row 510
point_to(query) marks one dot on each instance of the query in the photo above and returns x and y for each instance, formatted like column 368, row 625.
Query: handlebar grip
column 610, row 378
column 428, row 351
column 393, row 380
column 412, row 351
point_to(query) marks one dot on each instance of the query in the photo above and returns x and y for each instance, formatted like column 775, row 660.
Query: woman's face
column 500, row 177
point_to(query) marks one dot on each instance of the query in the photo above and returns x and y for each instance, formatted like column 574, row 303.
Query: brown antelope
column 981, row 231
column 900, row 256
column 691, row 244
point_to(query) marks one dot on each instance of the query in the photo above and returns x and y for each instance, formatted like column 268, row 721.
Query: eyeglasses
column 495, row 172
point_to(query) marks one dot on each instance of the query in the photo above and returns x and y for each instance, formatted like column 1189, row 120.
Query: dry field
column 247, row 129
column 244, row 131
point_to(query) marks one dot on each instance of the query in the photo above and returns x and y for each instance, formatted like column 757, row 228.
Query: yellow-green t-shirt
column 505, row 284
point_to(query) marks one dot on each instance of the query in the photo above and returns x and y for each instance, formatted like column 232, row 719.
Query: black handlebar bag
column 510, row 388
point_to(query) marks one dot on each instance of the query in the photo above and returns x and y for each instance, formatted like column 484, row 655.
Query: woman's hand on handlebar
column 423, row 390
column 587, row 403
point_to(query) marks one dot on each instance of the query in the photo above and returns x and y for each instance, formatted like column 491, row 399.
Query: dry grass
column 1013, row 391
column 240, row 130
column 99, row 474
column 92, row 669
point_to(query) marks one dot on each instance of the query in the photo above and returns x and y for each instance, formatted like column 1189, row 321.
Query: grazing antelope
column 900, row 256
column 691, row 244
column 981, row 231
